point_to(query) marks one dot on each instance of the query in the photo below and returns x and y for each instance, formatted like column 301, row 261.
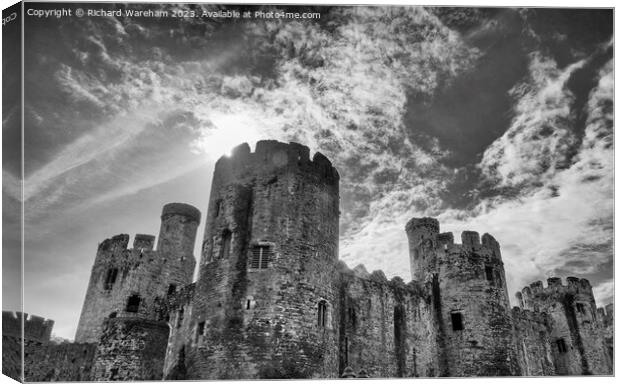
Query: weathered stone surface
column 272, row 300
column 20, row 330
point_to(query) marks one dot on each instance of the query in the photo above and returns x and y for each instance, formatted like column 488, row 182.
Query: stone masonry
column 272, row 300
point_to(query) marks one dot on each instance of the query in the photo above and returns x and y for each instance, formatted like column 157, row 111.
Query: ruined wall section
column 176, row 311
column 532, row 335
column 120, row 276
column 59, row 362
column 268, row 265
column 470, row 300
column 577, row 339
column 386, row 327
column 130, row 349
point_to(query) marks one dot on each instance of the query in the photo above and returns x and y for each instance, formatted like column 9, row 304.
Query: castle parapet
column 272, row 154
column 115, row 243
column 530, row 295
column 36, row 328
column 144, row 242
column 470, row 239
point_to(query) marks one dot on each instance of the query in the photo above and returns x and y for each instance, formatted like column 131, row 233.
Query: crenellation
column 272, row 299
column 536, row 287
column 470, row 239
column 115, row 243
column 554, row 282
column 144, row 242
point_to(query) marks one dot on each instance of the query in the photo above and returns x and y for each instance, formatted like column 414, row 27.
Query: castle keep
column 272, row 300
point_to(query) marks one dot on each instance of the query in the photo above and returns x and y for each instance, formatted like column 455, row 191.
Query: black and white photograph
column 219, row 191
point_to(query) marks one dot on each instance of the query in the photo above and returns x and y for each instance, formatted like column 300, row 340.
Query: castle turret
column 266, row 289
column 177, row 236
column 422, row 234
column 469, row 296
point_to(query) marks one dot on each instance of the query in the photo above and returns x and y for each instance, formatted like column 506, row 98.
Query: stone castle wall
column 59, row 362
column 386, row 327
column 19, row 332
column 532, row 336
column 273, row 301
column 577, row 340
column 130, row 349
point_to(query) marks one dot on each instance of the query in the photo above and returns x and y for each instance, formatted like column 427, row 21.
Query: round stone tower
column 266, row 303
column 470, row 300
column 177, row 236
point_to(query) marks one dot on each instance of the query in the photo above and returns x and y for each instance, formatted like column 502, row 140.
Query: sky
column 497, row 120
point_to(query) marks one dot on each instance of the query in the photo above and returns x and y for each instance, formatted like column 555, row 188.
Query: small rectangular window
column 457, row 321
column 200, row 330
column 261, row 255
column 171, row 289
column 561, row 345
column 133, row 304
column 489, row 273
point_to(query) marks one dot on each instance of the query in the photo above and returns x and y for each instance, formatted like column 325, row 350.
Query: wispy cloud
column 565, row 217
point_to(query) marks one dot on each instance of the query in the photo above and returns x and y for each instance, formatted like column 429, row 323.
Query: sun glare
column 229, row 131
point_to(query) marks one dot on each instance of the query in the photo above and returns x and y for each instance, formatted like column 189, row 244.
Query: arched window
column 133, row 303
column 322, row 313
column 226, row 242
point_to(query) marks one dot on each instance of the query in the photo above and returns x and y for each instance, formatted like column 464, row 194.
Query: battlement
column 273, row 154
column 36, row 328
column 144, row 242
column 470, row 240
column 426, row 223
column 554, row 286
column 180, row 209
column 115, row 243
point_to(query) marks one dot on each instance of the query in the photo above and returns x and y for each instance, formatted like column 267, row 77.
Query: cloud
column 568, row 216
column 543, row 125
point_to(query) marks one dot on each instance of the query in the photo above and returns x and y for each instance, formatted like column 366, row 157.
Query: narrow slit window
column 352, row 316
column 110, row 278
column 322, row 313
column 133, row 303
column 457, row 321
column 218, row 207
column 200, row 330
column 180, row 318
column 248, row 304
column 226, row 243
column 261, row 256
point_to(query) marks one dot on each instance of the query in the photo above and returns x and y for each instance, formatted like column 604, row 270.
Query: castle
column 272, row 300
